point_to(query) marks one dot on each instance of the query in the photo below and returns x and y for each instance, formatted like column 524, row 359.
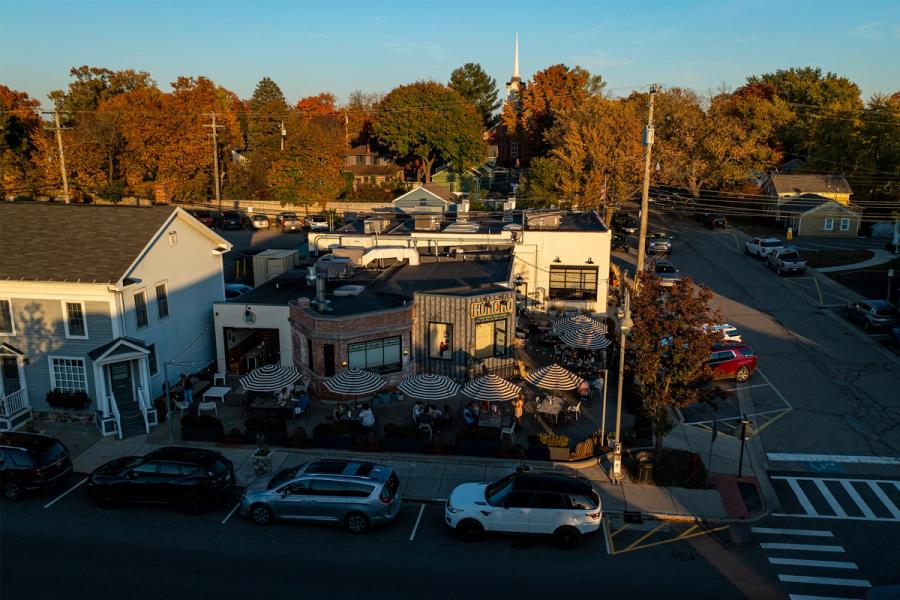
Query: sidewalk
column 431, row 478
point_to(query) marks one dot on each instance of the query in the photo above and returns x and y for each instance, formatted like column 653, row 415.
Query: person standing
column 187, row 390
column 519, row 409
column 367, row 418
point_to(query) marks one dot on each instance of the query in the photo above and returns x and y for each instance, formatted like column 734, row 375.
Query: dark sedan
column 189, row 478
column 231, row 220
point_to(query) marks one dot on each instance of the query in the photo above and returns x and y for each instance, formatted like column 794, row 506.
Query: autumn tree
column 478, row 89
column 552, row 91
column 670, row 347
column 20, row 126
column 317, row 106
column 358, row 112
column 93, row 85
column 429, row 122
column 267, row 109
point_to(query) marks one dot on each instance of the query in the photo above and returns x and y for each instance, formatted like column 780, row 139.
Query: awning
column 270, row 378
column 491, row 388
column 354, row 382
column 554, row 377
column 575, row 322
column 429, row 387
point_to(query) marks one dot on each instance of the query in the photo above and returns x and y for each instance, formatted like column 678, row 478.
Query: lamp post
column 625, row 325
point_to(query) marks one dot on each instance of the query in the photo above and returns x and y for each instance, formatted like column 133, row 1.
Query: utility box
column 269, row 264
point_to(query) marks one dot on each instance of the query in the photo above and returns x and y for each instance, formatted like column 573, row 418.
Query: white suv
column 760, row 247
column 528, row 502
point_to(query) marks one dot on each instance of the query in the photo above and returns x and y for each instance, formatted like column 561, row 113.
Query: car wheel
column 12, row 491
column 261, row 514
column 778, row 271
column 191, row 504
column 742, row 375
column 103, row 500
column 566, row 538
column 469, row 530
column 356, row 523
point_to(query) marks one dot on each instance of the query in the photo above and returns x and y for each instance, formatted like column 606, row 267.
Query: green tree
column 428, row 122
column 268, row 109
column 478, row 89
column 541, row 183
column 93, row 85
column 670, row 347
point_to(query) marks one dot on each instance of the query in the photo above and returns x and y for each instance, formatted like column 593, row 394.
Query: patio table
column 552, row 408
column 489, row 419
column 269, row 408
column 216, row 393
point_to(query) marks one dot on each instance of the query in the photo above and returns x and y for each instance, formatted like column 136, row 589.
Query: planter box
column 419, row 446
column 559, row 454
column 475, row 448
column 538, row 452
column 273, row 438
column 333, row 442
column 262, row 465
column 196, row 434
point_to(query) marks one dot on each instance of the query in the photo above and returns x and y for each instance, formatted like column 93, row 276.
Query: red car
column 204, row 216
column 732, row 361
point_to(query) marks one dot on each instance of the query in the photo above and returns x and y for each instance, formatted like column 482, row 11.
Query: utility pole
column 283, row 133
column 62, row 156
column 645, row 195
column 215, row 137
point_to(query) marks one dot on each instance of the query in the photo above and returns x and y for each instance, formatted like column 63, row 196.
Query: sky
column 308, row 46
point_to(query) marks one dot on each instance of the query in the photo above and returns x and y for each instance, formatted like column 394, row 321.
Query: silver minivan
column 355, row 494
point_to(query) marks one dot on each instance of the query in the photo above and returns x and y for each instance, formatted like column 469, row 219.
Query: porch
column 15, row 408
column 122, row 381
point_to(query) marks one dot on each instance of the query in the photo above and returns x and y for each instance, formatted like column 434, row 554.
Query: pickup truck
column 786, row 260
column 658, row 243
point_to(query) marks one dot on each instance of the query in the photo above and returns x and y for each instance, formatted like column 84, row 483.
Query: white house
column 102, row 301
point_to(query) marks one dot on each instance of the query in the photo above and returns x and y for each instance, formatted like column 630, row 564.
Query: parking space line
column 801, row 497
column 825, row 581
column 804, row 532
column 412, row 535
column 233, row 510
column 804, row 547
column 829, row 498
column 775, row 389
column 65, row 493
column 857, row 499
column 825, row 564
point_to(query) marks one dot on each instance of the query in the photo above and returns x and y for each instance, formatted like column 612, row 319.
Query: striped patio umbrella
column 429, row 387
column 554, row 377
column 270, row 378
column 490, row 388
column 586, row 338
column 567, row 324
column 354, row 382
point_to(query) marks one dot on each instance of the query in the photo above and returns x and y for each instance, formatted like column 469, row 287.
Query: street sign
column 746, row 429
column 617, row 462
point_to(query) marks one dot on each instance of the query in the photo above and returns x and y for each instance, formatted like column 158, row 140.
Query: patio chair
column 574, row 411
column 219, row 379
column 426, row 428
column 509, row 431
column 208, row 407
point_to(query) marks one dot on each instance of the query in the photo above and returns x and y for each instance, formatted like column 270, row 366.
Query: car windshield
column 884, row 311
column 771, row 244
column 497, row 491
column 657, row 236
column 789, row 256
column 283, row 476
column 662, row 268
column 51, row 454
column 289, row 217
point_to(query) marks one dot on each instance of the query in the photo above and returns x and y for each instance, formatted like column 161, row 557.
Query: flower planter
column 274, row 438
column 262, row 463
column 558, row 454
column 200, row 434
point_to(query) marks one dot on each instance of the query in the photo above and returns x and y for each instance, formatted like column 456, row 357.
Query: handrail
column 143, row 404
column 14, row 402
column 114, row 409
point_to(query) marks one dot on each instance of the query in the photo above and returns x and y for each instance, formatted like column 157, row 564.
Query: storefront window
column 380, row 356
column 490, row 339
column 440, row 340
column 573, row 283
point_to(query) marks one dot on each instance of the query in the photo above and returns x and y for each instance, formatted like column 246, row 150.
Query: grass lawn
column 872, row 282
column 835, row 258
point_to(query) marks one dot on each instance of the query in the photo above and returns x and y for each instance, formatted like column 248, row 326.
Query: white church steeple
column 514, row 85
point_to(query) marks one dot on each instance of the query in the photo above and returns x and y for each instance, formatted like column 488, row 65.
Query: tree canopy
column 428, row 122
column 267, row 109
column 478, row 89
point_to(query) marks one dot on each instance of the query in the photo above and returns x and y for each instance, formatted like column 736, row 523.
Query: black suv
column 231, row 220
column 30, row 461
column 190, row 478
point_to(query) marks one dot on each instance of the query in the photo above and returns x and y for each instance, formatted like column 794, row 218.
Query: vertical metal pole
column 619, row 391
column 62, row 157
column 743, row 441
column 171, row 413
column 603, row 415
column 645, row 194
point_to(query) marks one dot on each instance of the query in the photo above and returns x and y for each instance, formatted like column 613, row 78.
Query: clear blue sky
column 310, row 46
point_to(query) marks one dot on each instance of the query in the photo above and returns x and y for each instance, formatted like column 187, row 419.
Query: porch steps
column 132, row 419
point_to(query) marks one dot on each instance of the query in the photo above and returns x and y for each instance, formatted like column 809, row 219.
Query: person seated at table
column 300, row 403
column 435, row 412
column 470, row 415
column 446, row 417
column 367, row 418
column 283, row 397
column 337, row 413
column 418, row 409
column 584, row 390
column 425, row 417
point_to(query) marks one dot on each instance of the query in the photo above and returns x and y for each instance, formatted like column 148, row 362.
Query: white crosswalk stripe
column 820, row 498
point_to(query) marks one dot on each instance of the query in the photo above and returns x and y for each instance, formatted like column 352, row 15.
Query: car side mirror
column 132, row 475
column 285, row 493
column 505, row 503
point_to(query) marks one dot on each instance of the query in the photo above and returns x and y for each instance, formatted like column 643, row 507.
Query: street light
column 625, row 325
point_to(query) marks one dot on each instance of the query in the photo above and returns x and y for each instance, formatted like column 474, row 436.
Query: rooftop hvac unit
column 271, row 263
column 428, row 223
column 374, row 225
column 543, row 220
column 332, row 267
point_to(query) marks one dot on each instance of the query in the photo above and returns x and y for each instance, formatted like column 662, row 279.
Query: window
column 173, row 470
column 380, row 356
column 547, row 500
column 75, row 324
column 151, row 360
column 513, row 150
column 829, row 225
column 68, row 374
column 140, row 309
column 162, row 301
column 573, row 283
column 845, row 224
column 440, row 340
column 490, row 339
column 361, row 159
column 7, row 325
column 349, row 489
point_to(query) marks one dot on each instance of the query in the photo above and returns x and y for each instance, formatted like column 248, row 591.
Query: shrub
column 68, row 399
column 268, row 425
column 201, row 422
column 332, row 429
column 403, row 432
column 159, row 403
column 551, row 440
column 477, row 435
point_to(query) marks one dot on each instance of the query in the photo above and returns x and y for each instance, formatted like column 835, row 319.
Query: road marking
column 412, row 535
column 775, row 389
column 807, row 547
column 233, row 510
column 801, row 497
column 884, row 499
column 65, row 493
column 825, row 564
column 804, row 532
column 830, row 499
column 847, row 518
column 806, row 597
column 854, row 495
column 838, row 458
column 825, row 580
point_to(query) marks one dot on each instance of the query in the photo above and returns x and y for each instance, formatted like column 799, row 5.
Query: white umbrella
column 354, row 382
column 586, row 338
column 270, row 378
column 574, row 322
column 491, row 388
column 429, row 387
column 554, row 377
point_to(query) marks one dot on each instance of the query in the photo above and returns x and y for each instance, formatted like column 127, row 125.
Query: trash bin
column 645, row 464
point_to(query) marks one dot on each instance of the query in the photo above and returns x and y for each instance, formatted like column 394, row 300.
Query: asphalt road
column 74, row 550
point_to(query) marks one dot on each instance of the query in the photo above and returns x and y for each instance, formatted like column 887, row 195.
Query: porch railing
column 114, row 409
column 144, row 404
column 14, row 403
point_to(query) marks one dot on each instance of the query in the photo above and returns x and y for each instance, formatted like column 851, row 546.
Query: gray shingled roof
column 58, row 242
column 813, row 184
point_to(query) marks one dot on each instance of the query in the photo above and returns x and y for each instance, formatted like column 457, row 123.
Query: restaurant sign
column 491, row 307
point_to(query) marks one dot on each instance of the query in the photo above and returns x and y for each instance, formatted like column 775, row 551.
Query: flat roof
column 484, row 222
column 469, row 274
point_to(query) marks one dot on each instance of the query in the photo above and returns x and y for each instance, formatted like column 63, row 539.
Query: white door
column 513, row 515
column 548, row 511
